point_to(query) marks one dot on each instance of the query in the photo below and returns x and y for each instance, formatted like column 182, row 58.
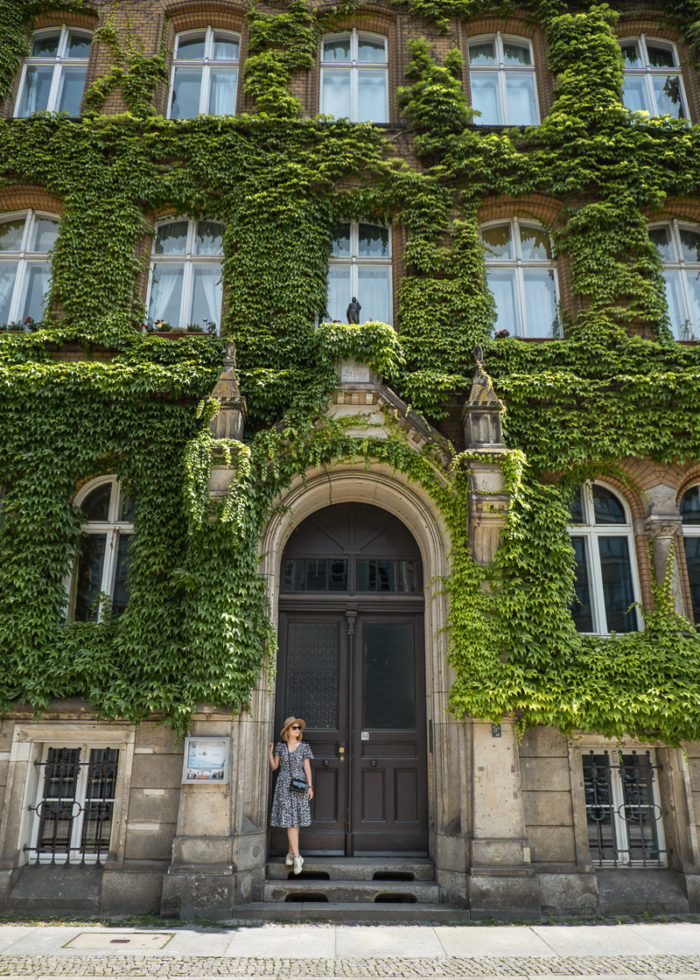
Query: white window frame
column 647, row 72
column 356, row 67
column 354, row 262
column 591, row 532
column 24, row 258
column 502, row 70
column 620, row 824
column 59, row 62
column 188, row 259
column 520, row 329
column 688, row 330
column 205, row 64
column 113, row 528
column 29, row 740
column 73, row 854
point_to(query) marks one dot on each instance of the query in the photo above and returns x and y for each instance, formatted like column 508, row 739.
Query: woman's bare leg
column 293, row 837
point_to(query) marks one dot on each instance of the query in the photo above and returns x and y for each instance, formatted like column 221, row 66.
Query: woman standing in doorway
column 290, row 809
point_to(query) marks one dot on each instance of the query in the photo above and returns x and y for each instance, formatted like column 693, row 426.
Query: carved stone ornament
column 231, row 417
column 481, row 415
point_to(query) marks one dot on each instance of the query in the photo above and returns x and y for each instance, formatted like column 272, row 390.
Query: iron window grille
column 75, row 807
column 623, row 812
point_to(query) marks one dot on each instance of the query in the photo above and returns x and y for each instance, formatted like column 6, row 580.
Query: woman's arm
column 274, row 759
column 307, row 773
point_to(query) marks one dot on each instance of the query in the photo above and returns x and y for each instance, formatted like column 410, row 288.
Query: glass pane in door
column 389, row 676
column 312, row 673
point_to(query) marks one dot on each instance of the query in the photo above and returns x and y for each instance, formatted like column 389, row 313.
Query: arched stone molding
column 448, row 758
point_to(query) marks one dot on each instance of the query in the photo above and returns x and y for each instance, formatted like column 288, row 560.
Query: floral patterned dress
column 290, row 809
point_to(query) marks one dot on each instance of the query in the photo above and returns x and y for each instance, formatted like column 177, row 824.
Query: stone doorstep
column 357, row 869
column 351, row 891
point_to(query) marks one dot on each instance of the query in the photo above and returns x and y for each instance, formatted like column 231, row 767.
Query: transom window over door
column 204, row 74
column 679, row 250
column 25, row 268
column 521, row 275
column 502, row 81
column 102, row 563
column 652, row 78
column 690, row 515
column 606, row 580
column 185, row 281
column 53, row 75
column 360, row 269
column 354, row 77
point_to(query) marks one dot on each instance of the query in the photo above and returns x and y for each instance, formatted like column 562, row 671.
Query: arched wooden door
column 352, row 664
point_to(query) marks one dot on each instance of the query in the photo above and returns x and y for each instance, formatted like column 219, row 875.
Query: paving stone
column 67, row 964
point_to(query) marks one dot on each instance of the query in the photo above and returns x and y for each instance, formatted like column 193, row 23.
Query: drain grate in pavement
column 126, row 941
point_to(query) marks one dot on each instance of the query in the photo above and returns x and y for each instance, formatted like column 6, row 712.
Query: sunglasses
column 296, row 728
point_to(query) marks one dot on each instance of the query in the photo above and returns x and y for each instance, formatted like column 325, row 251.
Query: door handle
column 325, row 763
column 373, row 763
column 341, row 753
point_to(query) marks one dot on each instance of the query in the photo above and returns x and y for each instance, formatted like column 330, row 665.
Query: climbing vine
column 614, row 384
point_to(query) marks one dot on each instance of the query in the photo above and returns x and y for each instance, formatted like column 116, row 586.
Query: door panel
column 312, row 684
column 388, row 758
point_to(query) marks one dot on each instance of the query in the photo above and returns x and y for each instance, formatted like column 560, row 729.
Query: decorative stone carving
column 230, row 419
column 481, row 416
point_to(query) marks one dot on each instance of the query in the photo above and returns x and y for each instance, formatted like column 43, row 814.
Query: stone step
column 298, row 889
column 356, row 868
column 345, row 912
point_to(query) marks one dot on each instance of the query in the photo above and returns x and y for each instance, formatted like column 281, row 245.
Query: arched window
column 690, row 515
column 652, row 77
column 521, row 274
column 354, row 77
column 606, row 583
column 205, row 74
column 53, row 75
column 360, row 270
column 25, row 269
column 102, row 562
column 679, row 249
column 185, row 282
column 502, row 81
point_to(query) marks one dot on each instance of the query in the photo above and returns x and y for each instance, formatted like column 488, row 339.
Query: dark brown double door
column 352, row 665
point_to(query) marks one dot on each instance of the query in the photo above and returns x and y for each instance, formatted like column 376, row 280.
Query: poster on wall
column 206, row 760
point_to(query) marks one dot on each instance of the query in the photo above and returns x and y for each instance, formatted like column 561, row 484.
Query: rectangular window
column 74, row 809
column 622, row 809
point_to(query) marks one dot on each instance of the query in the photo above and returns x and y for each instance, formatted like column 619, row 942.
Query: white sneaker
column 298, row 862
column 289, row 860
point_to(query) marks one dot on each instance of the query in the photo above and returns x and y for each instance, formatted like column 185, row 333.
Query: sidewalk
column 670, row 950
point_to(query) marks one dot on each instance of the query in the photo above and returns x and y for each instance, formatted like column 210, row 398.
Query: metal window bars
column 622, row 810
column 76, row 807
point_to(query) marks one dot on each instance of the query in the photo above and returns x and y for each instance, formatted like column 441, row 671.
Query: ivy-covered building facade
column 348, row 369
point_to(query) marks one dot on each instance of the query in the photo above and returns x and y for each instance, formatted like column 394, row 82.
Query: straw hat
column 288, row 722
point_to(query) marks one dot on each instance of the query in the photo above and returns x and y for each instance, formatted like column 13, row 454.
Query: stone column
column 501, row 881
column 663, row 528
